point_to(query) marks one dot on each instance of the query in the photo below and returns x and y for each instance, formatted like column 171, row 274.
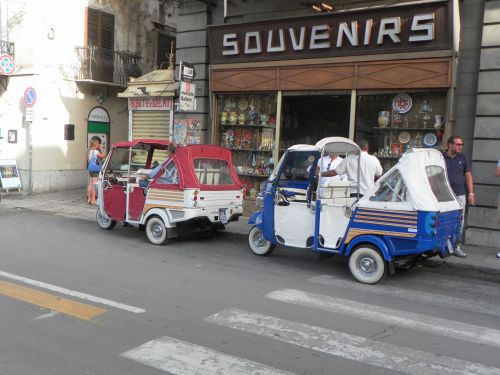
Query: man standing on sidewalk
column 460, row 177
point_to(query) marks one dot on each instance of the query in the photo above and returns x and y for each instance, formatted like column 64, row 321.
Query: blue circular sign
column 30, row 97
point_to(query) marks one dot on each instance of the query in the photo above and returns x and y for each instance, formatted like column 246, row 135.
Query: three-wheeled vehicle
column 410, row 212
column 196, row 189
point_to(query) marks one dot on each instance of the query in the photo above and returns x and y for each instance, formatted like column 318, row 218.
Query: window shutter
column 92, row 27
column 107, row 31
column 100, row 29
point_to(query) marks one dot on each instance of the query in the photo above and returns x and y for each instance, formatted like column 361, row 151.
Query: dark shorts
column 94, row 174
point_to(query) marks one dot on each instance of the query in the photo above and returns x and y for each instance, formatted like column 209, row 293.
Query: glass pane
column 297, row 166
column 437, row 180
column 213, row 172
column 170, row 175
column 392, row 189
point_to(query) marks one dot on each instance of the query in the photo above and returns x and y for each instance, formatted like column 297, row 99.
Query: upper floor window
column 100, row 29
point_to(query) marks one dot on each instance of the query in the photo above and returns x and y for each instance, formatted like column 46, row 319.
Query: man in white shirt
column 369, row 169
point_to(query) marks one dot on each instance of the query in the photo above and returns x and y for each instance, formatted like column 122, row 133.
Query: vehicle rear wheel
column 104, row 221
column 258, row 244
column 367, row 265
column 156, row 231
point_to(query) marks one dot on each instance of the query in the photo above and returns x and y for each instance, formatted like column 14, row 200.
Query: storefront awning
column 158, row 83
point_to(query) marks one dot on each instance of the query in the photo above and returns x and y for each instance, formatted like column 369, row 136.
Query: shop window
column 213, row 172
column 395, row 122
column 437, row 180
column 392, row 189
column 246, row 124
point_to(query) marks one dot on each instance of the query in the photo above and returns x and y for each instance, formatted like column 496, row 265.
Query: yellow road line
column 49, row 301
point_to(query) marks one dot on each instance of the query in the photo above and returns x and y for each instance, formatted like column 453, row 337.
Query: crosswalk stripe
column 355, row 348
column 412, row 295
column 420, row 322
column 183, row 358
column 486, row 288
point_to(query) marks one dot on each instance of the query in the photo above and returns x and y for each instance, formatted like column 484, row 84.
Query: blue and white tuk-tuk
column 410, row 212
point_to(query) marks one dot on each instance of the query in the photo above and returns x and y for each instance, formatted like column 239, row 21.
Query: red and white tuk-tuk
column 194, row 189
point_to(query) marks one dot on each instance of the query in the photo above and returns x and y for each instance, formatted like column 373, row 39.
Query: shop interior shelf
column 407, row 129
column 251, row 125
column 252, row 175
column 248, row 149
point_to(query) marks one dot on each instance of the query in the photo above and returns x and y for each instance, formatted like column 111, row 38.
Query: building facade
column 75, row 56
column 401, row 74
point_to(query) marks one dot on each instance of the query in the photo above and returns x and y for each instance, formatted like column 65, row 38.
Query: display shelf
column 408, row 129
column 252, row 175
column 248, row 149
column 251, row 125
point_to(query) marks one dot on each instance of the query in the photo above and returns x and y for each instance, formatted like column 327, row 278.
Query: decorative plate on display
column 429, row 140
column 243, row 104
column 247, row 135
column 404, row 137
column 230, row 133
column 402, row 103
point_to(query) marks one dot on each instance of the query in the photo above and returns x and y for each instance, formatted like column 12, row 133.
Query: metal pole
column 30, row 158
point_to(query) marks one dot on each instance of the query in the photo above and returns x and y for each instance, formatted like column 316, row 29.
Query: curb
column 490, row 271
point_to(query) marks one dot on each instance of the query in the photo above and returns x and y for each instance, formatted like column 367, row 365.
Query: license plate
column 223, row 216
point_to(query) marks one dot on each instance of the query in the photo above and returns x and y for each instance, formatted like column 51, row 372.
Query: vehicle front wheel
column 104, row 221
column 156, row 231
column 258, row 244
column 367, row 265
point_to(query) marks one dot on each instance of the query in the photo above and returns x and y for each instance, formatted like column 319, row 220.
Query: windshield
column 297, row 166
column 273, row 175
column 437, row 181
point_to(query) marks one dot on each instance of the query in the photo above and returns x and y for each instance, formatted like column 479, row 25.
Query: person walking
column 369, row 168
column 460, row 177
column 94, row 157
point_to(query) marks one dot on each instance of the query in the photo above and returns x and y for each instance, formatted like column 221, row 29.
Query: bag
column 94, row 164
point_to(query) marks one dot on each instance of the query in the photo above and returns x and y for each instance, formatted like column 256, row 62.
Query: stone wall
column 483, row 228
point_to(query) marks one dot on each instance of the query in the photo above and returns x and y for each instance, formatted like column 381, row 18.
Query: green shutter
column 98, row 127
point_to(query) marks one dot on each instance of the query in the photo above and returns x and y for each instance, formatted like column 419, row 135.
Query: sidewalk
column 73, row 204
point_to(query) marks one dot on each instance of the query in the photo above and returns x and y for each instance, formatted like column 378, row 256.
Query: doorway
column 308, row 118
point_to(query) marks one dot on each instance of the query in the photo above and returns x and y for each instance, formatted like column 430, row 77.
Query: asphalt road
column 78, row 300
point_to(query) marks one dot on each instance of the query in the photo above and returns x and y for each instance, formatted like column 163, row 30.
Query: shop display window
column 395, row 122
column 246, row 125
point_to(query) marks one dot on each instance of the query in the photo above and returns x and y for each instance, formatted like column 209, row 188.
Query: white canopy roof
column 326, row 141
column 412, row 167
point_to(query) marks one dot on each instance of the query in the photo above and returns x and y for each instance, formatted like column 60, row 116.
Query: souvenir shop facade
column 384, row 74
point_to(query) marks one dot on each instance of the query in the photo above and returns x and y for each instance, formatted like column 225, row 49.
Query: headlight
column 259, row 201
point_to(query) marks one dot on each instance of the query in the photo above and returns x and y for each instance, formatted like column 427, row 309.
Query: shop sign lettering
column 150, row 103
column 399, row 29
column 187, row 100
column 322, row 37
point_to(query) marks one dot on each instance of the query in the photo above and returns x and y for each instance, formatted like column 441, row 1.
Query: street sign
column 7, row 64
column 29, row 115
column 29, row 97
column 186, row 72
column 187, row 101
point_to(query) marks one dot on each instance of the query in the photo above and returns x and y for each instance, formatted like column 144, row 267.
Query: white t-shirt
column 369, row 169
column 327, row 164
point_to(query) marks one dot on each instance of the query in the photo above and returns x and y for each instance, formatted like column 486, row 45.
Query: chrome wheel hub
column 367, row 265
column 157, row 230
column 259, row 240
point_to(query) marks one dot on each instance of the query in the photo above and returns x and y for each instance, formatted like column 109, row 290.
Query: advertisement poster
column 9, row 176
column 187, row 129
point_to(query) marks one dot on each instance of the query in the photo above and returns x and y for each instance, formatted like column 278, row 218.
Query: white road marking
column 183, row 358
column 48, row 315
column 419, row 322
column 412, row 295
column 72, row 293
column 355, row 348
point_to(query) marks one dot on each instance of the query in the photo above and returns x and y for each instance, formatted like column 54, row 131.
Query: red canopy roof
column 184, row 157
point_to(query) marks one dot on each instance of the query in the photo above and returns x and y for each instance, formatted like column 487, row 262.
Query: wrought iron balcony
column 105, row 65
column 7, row 47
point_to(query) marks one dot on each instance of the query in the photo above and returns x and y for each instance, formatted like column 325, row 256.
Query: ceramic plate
column 429, row 140
column 402, row 103
column 247, row 135
column 404, row 137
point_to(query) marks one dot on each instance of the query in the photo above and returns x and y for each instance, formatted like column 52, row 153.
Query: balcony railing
column 7, row 47
column 105, row 65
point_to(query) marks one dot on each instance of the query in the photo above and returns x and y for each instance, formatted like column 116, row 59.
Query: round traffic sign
column 29, row 97
column 7, row 64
